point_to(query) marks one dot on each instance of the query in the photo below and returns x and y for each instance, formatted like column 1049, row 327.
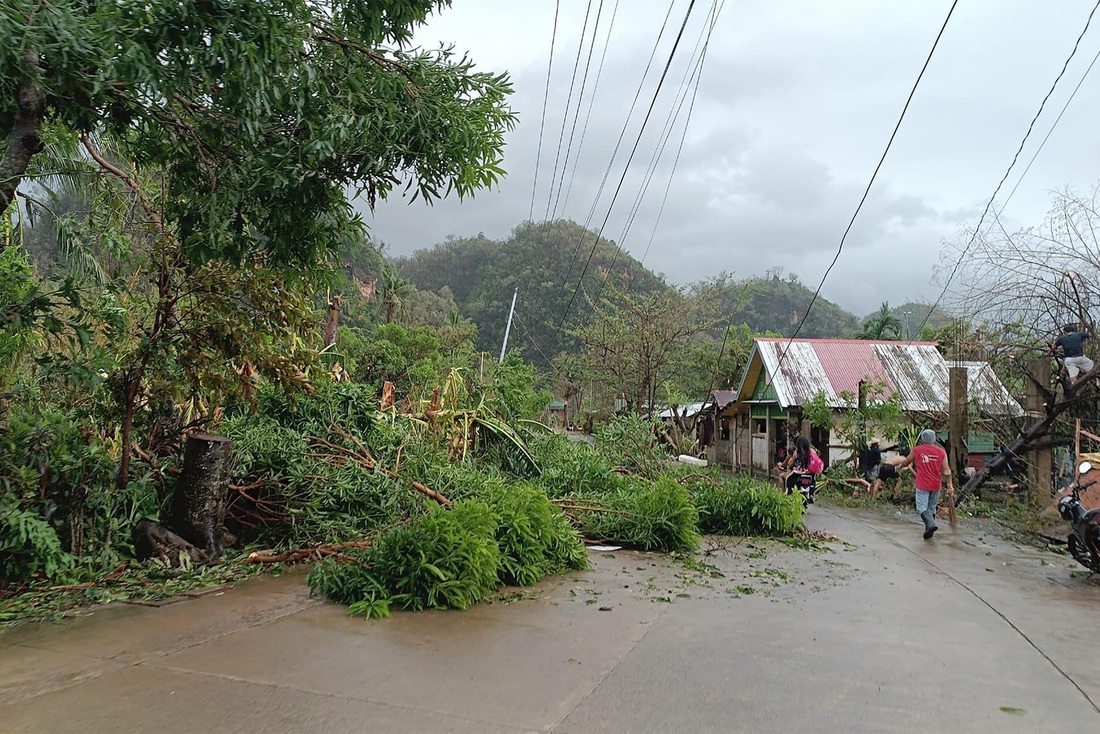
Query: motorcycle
column 1084, row 536
column 805, row 483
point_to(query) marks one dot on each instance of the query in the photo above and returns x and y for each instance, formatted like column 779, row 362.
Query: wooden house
column 782, row 375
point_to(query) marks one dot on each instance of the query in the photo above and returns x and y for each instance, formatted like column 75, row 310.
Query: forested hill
column 544, row 261
column 777, row 304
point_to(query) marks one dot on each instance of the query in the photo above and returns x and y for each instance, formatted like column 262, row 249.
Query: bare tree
column 1035, row 279
column 633, row 342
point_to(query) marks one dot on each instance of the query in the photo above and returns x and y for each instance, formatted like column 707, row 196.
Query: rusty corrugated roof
column 724, row 397
column 916, row 372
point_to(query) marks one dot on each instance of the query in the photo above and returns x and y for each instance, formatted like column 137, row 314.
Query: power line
column 568, row 104
column 626, row 168
column 1051, row 130
column 519, row 320
column 591, row 104
column 545, row 100
column 693, row 73
column 615, row 151
column 577, row 111
column 716, row 11
column 870, row 183
column 1008, row 171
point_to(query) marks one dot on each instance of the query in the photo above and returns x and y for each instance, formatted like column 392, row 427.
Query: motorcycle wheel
column 1080, row 554
column 1092, row 547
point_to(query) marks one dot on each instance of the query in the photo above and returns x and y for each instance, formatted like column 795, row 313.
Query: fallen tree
column 1029, row 438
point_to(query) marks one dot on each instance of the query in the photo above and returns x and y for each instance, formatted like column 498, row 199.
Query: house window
column 760, row 425
column 725, row 433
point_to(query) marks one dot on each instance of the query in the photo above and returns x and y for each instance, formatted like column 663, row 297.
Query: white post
column 508, row 328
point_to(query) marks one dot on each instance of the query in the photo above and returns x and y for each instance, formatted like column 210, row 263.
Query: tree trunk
column 201, row 496
column 23, row 141
column 132, row 391
column 1040, row 469
column 332, row 322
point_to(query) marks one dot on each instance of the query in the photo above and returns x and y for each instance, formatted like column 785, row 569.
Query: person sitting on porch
column 784, row 464
column 780, row 454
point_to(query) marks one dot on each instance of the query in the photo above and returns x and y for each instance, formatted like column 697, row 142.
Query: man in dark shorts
column 870, row 459
column 1072, row 344
column 888, row 470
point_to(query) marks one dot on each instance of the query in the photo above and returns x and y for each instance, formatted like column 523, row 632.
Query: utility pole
column 907, row 337
column 1041, row 465
column 508, row 327
column 957, row 427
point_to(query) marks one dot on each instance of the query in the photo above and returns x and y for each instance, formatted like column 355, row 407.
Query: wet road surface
column 878, row 630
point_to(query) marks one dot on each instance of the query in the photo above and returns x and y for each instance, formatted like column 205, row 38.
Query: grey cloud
column 794, row 109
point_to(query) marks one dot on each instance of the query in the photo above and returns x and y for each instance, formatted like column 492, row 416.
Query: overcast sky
column 796, row 103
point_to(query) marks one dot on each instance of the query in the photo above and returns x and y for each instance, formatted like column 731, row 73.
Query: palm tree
column 397, row 291
column 881, row 325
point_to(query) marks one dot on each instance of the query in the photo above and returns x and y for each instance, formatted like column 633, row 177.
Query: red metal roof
column 800, row 369
column 848, row 362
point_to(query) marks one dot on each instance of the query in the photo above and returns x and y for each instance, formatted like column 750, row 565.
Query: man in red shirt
column 929, row 462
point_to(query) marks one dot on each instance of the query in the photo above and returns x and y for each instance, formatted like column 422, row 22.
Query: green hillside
column 777, row 304
column 544, row 261
column 919, row 313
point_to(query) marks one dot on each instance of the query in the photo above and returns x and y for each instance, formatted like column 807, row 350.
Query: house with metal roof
column 782, row 375
column 701, row 419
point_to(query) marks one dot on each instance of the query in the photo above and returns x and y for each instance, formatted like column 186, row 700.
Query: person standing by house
column 930, row 464
column 1072, row 344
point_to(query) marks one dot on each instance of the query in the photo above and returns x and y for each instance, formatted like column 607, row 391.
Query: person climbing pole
column 1072, row 344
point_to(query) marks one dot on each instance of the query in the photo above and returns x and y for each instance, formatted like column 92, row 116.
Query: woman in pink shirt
column 929, row 462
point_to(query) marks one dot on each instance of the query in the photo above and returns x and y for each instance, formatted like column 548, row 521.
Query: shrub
column 571, row 467
column 632, row 442
column 448, row 559
column 739, row 506
column 660, row 517
column 57, row 492
column 535, row 539
column 30, row 546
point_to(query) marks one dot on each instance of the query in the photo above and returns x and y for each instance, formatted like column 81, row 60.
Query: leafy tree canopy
column 259, row 116
column 775, row 303
column 882, row 324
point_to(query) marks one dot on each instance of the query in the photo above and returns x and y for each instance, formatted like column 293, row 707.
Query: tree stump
column 202, row 492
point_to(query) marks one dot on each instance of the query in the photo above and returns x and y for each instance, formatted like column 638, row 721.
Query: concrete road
column 876, row 631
